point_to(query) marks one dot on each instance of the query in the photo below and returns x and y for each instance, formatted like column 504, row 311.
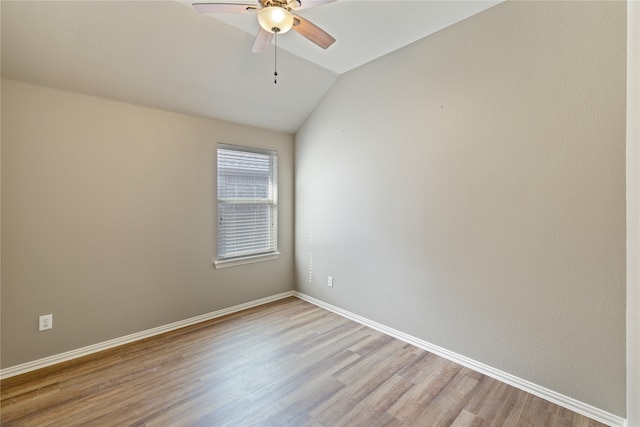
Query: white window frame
column 246, row 256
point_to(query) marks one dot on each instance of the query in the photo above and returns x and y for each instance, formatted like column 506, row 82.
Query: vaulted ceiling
column 164, row 54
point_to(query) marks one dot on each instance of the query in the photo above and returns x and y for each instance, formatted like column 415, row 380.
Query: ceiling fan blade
column 311, row 31
column 308, row 4
column 263, row 40
column 224, row 7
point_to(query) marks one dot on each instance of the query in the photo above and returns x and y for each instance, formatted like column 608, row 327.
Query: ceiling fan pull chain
column 275, row 66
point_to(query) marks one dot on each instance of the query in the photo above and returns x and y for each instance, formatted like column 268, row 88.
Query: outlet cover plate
column 45, row 322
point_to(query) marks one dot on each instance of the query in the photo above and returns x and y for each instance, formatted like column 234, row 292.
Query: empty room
column 320, row 213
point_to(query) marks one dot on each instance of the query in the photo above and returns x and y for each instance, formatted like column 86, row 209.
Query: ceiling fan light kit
column 275, row 19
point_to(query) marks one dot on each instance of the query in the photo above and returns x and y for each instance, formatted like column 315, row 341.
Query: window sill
column 224, row 263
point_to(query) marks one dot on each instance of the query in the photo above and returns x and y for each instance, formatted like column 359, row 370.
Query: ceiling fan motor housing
column 286, row 4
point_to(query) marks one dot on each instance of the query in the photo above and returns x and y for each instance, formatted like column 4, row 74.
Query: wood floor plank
column 287, row 363
column 373, row 407
column 452, row 399
column 467, row 419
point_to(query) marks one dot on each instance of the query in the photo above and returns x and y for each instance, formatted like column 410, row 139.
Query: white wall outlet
column 45, row 322
column 330, row 281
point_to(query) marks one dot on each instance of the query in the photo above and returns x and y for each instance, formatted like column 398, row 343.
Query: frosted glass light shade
column 275, row 17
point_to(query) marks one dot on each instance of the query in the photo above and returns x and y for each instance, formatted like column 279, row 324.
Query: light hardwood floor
column 287, row 363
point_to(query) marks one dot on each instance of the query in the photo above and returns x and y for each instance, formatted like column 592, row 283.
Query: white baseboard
column 542, row 392
column 85, row 351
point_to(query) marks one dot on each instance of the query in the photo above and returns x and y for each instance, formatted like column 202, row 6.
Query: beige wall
column 469, row 190
column 108, row 220
column 633, row 214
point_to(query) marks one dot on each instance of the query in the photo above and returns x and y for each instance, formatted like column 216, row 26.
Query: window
column 247, row 205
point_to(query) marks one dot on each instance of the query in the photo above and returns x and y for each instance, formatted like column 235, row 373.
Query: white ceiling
column 165, row 55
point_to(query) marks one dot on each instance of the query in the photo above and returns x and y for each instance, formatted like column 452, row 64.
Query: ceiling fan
column 275, row 17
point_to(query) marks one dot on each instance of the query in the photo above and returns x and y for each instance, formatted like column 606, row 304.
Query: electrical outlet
column 330, row 281
column 45, row 322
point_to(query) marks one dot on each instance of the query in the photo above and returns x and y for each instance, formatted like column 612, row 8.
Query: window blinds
column 247, row 208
